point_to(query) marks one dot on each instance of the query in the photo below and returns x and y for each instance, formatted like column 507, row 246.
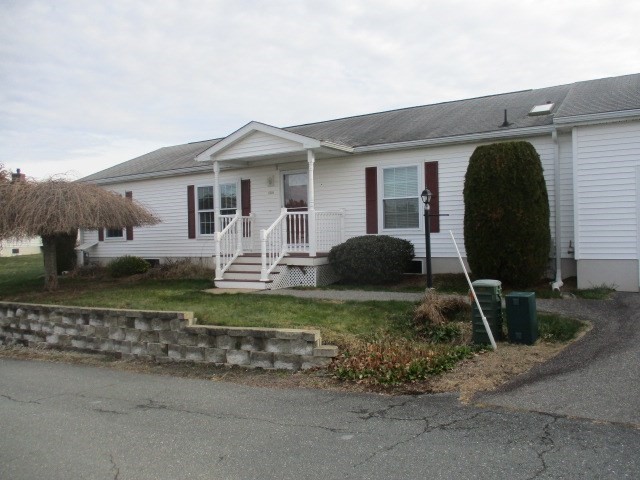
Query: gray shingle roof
column 449, row 119
column 176, row 158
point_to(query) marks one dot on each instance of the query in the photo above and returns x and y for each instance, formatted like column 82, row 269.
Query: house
column 11, row 247
column 265, row 204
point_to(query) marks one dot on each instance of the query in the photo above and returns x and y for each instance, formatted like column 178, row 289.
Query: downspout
column 557, row 284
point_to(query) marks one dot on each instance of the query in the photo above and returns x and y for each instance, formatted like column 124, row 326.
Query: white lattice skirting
column 304, row 276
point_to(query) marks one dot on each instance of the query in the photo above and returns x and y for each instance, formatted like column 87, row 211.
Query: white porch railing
column 292, row 232
column 273, row 245
column 235, row 237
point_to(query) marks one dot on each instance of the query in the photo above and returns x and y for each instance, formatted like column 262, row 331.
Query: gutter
column 557, row 284
column 598, row 117
column 150, row 175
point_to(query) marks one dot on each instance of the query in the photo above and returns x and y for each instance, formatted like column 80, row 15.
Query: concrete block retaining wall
column 159, row 336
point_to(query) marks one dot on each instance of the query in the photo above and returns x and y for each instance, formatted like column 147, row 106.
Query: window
column 114, row 233
column 228, row 205
column 228, row 198
column 205, row 210
column 401, row 197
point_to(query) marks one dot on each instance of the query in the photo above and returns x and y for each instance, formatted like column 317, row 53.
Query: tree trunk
column 50, row 264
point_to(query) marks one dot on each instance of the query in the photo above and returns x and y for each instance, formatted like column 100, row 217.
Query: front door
column 294, row 193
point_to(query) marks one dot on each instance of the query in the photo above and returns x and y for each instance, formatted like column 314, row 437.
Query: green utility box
column 522, row 321
column 489, row 293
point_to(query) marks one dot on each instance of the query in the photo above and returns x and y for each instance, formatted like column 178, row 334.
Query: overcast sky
column 85, row 85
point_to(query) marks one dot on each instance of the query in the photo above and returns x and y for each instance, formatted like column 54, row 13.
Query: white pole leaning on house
column 484, row 319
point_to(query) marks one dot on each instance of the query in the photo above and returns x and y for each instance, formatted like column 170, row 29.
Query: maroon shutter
column 431, row 182
column 191, row 211
column 371, row 202
column 129, row 195
column 245, row 197
column 101, row 234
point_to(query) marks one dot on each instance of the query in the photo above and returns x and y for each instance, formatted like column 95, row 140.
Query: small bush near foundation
column 372, row 259
column 393, row 362
column 182, row 268
column 127, row 265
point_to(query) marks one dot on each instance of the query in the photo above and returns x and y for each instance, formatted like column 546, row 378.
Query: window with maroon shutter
column 371, row 201
column 191, row 211
column 129, row 230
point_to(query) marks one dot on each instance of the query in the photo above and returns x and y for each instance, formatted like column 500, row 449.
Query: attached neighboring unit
column 278, row 199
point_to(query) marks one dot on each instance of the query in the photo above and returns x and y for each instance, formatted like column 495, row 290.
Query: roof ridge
column 418, row 106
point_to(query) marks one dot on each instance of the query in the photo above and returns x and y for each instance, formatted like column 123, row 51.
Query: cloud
column 104, row 78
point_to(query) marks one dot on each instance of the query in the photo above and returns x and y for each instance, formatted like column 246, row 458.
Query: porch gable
column 256, row 140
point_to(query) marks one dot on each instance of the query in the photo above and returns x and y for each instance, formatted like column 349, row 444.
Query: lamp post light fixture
column 426, row 199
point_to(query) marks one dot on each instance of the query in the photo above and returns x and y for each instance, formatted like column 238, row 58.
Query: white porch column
column 216, row 217
column 216, row 196
column 313, row 240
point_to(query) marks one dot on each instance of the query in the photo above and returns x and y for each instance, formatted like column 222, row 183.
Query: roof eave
column 152, row 175
column 598, row 117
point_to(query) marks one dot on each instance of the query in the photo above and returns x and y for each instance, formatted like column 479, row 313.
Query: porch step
column 249, row 275
column 248, row 284
column 245, row 272
column 244, row 267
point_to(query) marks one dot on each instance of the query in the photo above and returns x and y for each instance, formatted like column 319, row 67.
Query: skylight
column 544, row 109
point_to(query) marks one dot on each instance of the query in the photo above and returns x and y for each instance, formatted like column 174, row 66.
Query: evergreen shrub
column 372, row 259
column 506, row 219
column 127, row 265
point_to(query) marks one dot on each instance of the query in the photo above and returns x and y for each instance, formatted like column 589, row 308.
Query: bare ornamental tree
column 55, row 208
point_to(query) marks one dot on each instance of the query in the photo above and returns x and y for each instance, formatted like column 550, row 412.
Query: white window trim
column 236, row 181
column 122, row 238
column 380, row 181
column 291, row 172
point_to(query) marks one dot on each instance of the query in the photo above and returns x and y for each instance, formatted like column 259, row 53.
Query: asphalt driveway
column 597, row 377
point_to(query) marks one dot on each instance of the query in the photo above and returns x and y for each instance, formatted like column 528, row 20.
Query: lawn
column 378, row 338
column 21, row 280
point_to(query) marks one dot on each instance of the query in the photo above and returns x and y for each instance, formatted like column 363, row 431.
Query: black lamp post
column 426, row 199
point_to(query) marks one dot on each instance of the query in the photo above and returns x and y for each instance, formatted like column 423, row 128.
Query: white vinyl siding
column 259, row 143
column 339, row 185
column 606, row 160
column 400, row 198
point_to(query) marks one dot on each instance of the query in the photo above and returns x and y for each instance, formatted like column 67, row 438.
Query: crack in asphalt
column 546, row 440
column 104, row 410
column 115, row 467
column 20, row 401
column 365, row 414
column 427, row 428
column 153, row 405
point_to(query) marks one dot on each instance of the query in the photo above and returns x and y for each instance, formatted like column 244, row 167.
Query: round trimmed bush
column 127, row 265
column 372, row 259
column 506, row 214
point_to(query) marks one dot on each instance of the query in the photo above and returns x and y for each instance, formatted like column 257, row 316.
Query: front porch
column 293, row 251
column 256, row 250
